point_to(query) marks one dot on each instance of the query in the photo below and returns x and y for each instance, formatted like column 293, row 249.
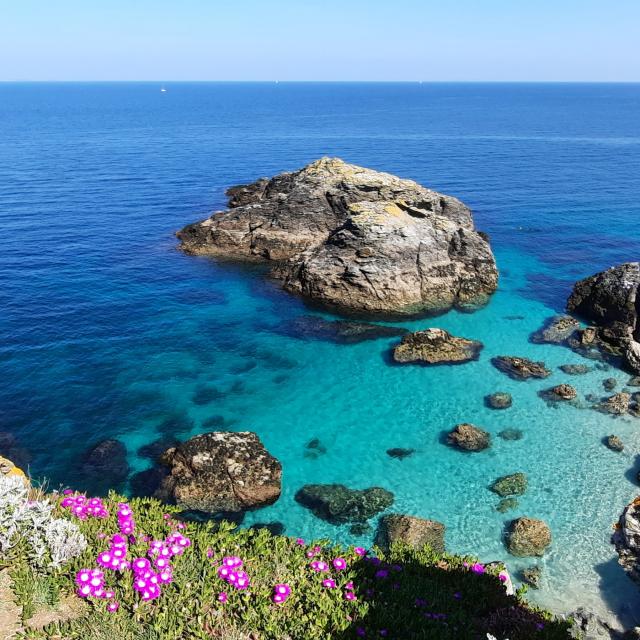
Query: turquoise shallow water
column 108, row 331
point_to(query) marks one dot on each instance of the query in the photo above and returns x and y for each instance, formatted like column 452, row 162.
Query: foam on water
column 108, row 331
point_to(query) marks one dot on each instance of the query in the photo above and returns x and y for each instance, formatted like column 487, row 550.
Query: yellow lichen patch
column 7, row 468
column 393, row 209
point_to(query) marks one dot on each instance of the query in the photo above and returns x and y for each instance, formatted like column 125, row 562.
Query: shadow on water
column 614, row 590
column 548, row 289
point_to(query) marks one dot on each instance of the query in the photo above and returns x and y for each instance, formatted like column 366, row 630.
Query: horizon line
column 275, row 81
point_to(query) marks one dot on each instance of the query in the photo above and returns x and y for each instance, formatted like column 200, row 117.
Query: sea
column 107, row 330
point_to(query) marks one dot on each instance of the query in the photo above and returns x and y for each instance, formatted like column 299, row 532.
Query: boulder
column 532, row 576
column 609, row 384
column 617, row 404
column 528, row 537
column 400, row 453
column 499, row 400
column 105, row 465
column 416, row 532
column 634, row 381
column 340, row 331
column 469, row 437
column 436, row 346
column 354, row 239
column 614, row 443
column 514, row 484
column 339, row 504
column 520, row 368
column 610, row 300
column 221, row 472
column 575, row 369
column 557, row 330
column 559, row 393
column 626, row 540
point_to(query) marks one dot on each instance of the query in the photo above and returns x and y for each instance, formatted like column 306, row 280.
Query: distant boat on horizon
column 163, row 90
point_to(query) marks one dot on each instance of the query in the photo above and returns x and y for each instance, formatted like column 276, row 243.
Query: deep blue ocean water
column 106, row 330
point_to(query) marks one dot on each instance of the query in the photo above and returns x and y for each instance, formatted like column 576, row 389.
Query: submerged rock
column 338, row 504
column 511, row 434
column 510, row 485
column 507, row 504
column 400, row 453
column 627, row 540
column 520, row 368
column 610, row 300
column 634, row 381
column 609, row 384
column 575, row 369
column 617, row 404
column 614, row 443
column 499, row 400
column 559, row 393
column 416, row 532
column 221, row 471
column 469, row 437
column 314, row 449
column 106, row 464
column 557, row 330
column 528, row 537
column 341, row 331
column 532, row 576
column 355, row 239
column 436, row 346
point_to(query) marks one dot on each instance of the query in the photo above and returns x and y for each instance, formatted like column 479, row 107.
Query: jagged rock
column 575, row 369
column 617, row 404
column 511, row 434
column 339, row 504
column 588, row 626
column 559, row 393
column 354, row 239
column 528, row 537
column 499, row 400
column 340, row 331
column 105, row 464
column 514, row 484
column 436, row 346
column 221, row 472
column 614, row 443
column 469, row 437
column 507, row 504
column 610, row 299
column 532, row 576
column 416, row 532
column 609, row 384
column 400, row 453
column 626, row 539
column 520, row 368
column 557, row 330
column 634, row 381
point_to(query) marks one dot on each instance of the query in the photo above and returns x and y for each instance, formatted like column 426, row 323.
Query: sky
column 428, row 40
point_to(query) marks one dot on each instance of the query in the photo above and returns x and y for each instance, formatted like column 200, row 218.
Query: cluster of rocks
column 354, row 239
column 436, row 346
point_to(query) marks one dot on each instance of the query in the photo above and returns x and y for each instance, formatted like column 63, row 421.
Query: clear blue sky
column 165, row 40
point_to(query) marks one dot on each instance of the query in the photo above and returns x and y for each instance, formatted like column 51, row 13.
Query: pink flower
column 339, row 564
column 349, row 586
column 300, row 541
column 360, row 551
column 222, row 597
column 282, row 589
column 319, row 565
column 329, row 583
column 477, row 568
column 113, row 607
column 349, row 595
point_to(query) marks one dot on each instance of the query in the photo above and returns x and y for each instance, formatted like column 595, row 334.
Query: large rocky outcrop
column 610, row 300
column 221, row 472
column 627, row 540
column 354, row 239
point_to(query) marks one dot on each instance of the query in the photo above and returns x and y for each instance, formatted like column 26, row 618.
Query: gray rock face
column 610, row 299
column 520, row 368
column 221, row 471
column 339, row 504
column 528, row 537
column 436, row 346
column 354, row 239
column 416, row 532
column 469, row 437
column 626, row 539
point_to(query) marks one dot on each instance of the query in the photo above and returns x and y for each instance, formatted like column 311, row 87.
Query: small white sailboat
column 163, row 90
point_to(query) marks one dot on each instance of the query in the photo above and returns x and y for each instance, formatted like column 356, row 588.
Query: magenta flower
column 349, row 586
column 319, row 566
column 282, row 589
column 360, row 551
column 349, row 595
column 477, row 568
column 339, row 564
column 300, row 541
column 503, row 576
column 222, row 597
column 329, row 583
column 113, row 607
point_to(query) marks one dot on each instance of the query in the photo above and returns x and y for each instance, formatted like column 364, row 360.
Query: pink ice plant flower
column 339, row 564
column 319, row 566
column 113, row 606
column 280, row 593
column 477, row 568
column 329, row 583
column 349, row 595
column 360, row 551
column 222, row 597
column 82, row 507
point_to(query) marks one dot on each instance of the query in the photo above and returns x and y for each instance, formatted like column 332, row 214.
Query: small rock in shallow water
column 634, row 382
column 499, row 400
column 557, row 330
column 339, row 504
column 469, row 437
column 614, row 443
column 609, row 384
column 511, row 485
column 436, row 346
column 617, row 404
column 528, row 537
column 507, row 504
column 400, row 453
column 520, row 368
column 532, row 576
column 575, row 369
column 416, row 532
column 559, row 393
column 511, row 434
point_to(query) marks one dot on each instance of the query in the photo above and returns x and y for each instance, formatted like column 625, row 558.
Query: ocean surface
column 107, row 331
